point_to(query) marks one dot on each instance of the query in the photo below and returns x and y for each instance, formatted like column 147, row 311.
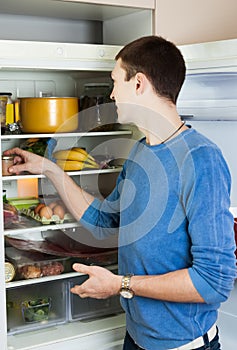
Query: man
column 170, row 205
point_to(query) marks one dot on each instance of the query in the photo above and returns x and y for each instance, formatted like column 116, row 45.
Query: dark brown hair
column 161, row 62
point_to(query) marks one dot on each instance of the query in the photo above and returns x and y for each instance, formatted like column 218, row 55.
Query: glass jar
column 4, row 196
column 96, row 108
column 3, row 104
column 94, row 94
column 7, row 162
column 10, row 271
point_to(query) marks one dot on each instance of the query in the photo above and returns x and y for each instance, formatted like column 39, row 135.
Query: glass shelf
column 71, row 173
column 65, row 135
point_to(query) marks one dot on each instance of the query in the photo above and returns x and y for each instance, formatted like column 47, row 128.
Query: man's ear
column 141, row 83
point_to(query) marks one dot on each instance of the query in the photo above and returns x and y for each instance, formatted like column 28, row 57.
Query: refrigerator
column 38, row 68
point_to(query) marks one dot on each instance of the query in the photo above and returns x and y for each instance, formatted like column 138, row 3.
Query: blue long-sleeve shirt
column 171, row 209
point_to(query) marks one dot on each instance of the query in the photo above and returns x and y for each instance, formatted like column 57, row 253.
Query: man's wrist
column 118, row 284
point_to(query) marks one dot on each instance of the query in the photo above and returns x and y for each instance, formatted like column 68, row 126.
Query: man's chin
column 123, row 118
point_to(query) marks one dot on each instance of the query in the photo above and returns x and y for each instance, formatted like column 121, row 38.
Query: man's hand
column 27, row 161
column 101, row 283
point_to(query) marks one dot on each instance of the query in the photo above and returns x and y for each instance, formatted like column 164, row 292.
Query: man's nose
column 112, row 95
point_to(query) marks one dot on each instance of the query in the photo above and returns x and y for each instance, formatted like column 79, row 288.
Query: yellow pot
column 49, row 114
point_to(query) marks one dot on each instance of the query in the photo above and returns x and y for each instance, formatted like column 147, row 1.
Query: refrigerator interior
column 66, row 309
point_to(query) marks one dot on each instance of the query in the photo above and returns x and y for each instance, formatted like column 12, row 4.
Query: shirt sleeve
column 102, row 218
column 206, row 198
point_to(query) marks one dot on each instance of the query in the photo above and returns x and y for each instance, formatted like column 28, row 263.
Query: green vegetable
column 36, row 310
column 37, row 146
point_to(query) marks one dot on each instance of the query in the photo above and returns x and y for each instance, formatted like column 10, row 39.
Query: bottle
column 16, row 111
column 9, row 110
column 4, row 196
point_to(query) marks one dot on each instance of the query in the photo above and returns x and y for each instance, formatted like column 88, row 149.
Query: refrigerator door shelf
column 209, row 96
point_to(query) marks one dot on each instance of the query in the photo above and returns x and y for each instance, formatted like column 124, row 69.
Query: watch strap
column 126, row 291
column 126, row 280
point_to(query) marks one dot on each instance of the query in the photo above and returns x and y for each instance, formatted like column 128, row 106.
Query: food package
column 47, row 220
column 53, row 212
column 20, row 203
column 34, row 265
column 43, row 147
column 10, row 215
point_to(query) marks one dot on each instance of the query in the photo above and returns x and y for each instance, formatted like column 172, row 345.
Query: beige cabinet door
column 191, row 21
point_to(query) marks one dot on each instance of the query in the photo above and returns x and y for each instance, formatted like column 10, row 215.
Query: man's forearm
column 174, row 286
column 75, row 199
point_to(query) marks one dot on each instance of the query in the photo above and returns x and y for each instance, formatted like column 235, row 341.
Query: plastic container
column 23, row 203
column 36, row 310
column 35, row 265
column 17, row 304
column 54, row 219
column 90, row 308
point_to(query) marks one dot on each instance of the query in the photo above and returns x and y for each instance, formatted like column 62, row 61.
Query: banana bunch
column 74, row 159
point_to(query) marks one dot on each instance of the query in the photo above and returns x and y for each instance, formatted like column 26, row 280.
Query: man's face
column 123, row 93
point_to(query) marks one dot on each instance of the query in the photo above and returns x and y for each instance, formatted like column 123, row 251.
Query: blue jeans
column 213, row 345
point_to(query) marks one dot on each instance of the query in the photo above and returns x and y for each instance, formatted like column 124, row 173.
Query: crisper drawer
column 36, row 306
column 90, row 308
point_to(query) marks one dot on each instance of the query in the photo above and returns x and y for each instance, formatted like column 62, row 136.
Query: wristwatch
column 125, row 290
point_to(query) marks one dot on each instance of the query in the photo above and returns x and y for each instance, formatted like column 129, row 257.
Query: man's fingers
column 77, row 290
column 81, row 268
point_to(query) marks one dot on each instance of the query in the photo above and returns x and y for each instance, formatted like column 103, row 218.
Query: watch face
column 125, row 293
